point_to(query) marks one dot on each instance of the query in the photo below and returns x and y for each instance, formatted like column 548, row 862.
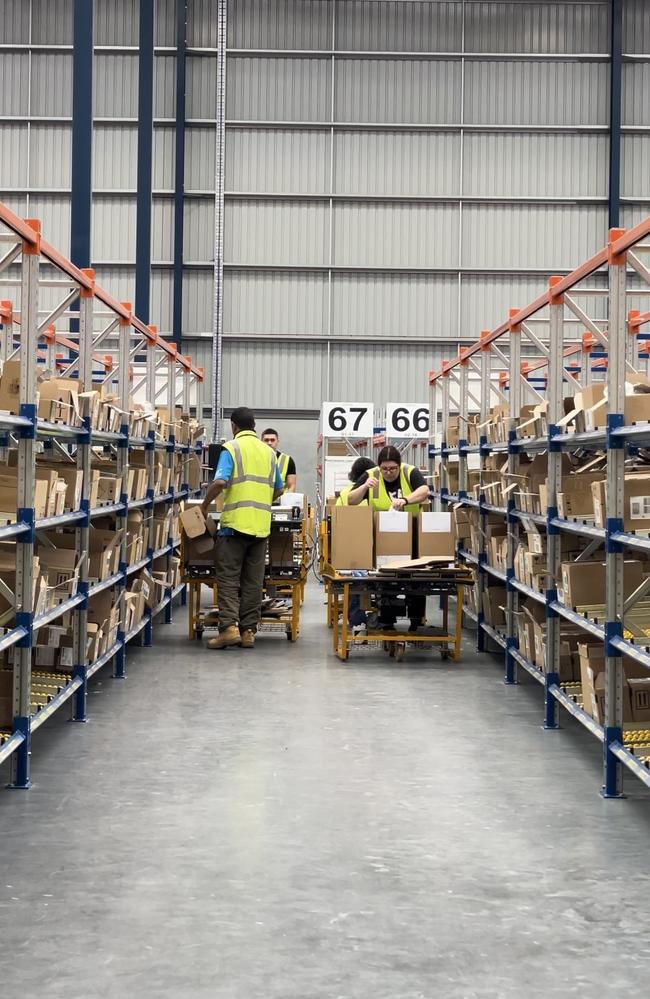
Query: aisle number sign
column 407, row 419
column 348, row 419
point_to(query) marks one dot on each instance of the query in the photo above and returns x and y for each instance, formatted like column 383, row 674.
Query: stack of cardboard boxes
column 364, row 540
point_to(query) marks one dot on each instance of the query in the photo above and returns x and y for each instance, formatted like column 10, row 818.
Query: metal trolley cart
column 443, row 582
column 285, row 573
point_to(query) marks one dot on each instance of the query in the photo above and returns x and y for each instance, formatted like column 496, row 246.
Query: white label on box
column 348, row 419
column 394, row 521
column 436, row 523
column 639, row 507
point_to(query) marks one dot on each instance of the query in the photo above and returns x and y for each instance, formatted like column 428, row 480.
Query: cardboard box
column 583, row 583
column 435, row 535
column 576, row 501
column 10, row 387
column 280, row 549
column 494, row 602
column 352, row 537
column 393, row 535
column 59, row 401
column 108, row 489
column 636, row 505
column 9, row 495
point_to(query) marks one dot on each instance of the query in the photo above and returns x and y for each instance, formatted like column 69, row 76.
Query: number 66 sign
column 407, row 419
column 348, row 419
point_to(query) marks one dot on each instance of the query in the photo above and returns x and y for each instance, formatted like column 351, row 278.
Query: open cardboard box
column 351, row 537
column 636, row 515
column 435, row 535
column 583, row 583
column 393, row 535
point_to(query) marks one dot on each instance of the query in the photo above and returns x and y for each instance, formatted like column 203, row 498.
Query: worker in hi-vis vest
column 248, row 476
column 402, row 487
column 360, row 466
column 286, row 464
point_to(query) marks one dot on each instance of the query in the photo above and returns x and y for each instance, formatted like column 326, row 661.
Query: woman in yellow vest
column 360, row 466
column 402, row 487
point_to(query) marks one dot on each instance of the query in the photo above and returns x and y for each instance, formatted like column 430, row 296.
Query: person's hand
column 399, row 503
column 371, row 482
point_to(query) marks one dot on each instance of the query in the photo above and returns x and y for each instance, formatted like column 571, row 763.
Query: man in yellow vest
column 286, row 464
column 248, row 476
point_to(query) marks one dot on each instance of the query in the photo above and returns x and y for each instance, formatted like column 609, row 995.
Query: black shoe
column 386, row 627
column 413, row 627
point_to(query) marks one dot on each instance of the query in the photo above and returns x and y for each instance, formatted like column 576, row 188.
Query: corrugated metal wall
column 398, row 174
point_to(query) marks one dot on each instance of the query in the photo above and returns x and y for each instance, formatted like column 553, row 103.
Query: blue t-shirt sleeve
column 279, row 482
column 225, row 467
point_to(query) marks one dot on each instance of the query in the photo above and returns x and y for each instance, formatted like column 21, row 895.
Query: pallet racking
column 137, row 360
column 616, row 331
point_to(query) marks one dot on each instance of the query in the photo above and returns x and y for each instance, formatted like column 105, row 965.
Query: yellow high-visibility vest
column 342, row 498
column 378, row 497
column 283, row 465
column 249, row 494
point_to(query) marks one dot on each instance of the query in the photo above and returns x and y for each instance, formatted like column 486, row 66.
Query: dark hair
column 360, row 466
column 243, row 418
column 389, row 453
column 270, row 430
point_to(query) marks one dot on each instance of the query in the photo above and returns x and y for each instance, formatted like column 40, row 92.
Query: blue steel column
column 179, row 172
column 514, row 403
column 145, row 145
column 614, row 557
column 554, row 540
column 615, row 89
column 82, row 130
column 20, row 765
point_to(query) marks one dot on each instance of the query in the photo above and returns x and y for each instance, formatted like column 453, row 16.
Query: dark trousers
column 416, row 606
column 239, row 570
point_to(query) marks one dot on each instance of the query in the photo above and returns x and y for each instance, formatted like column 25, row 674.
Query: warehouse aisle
column 276, row 825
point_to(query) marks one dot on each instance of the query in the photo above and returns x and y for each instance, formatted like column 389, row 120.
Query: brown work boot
column 248, row 639
column 228, row 637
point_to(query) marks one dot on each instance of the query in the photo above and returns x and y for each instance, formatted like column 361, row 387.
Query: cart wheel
column 290, row 637
column 391, row 649
column 198, row 634
column 445, row 655
column 400, row 649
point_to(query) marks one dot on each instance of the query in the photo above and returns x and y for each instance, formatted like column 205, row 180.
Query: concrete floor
column 278, row 825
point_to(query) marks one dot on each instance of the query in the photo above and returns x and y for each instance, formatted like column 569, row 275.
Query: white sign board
column 407, row 419
column 348, row 419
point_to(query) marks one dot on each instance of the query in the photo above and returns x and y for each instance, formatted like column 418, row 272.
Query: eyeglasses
column 390, row 468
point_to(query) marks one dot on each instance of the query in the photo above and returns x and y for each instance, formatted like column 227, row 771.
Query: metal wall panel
column 113, row 229
column 51, row 84
column 162, row 230
column 547, row 165
column 636, row 27
column 636, row 88
column 635, row 157
column 395, row 235
column 383, row 373
column 277, row 161
column 198, row 297
column 164, row 152
column 276, row 232
column 536, row 93
column 199, row 159
column 164, row 86
column 365, row 25
column 164, row 22
column 551, row 237
column 116, row 22
column 278, row 89
column 119, row 281
column 198, row 221
column 13, row 154
column 255, row 374
column 162, row 292
column 14, row 23
column 14, row 84
column 397, row 90
column 273, row 302
column 396, row 163
column 51, row 21
column 115, row 85
column 50, row 157
column 115, row 157
column 54, row 213
column 201, row 86
column 394, row 305
column 202, row 23
column 290, row 24
column 537, row 27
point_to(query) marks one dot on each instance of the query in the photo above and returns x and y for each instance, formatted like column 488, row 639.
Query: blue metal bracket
column 614, row 422
column 480, row 633
column 612, row 765
column 551, row 515
column 511, row 665
column 26, row 515
column 613, row 629
column 28, row 411
column 83, row 588
column 550, row 704
column 613, row 525
column 25, row 619
column 550, row 597
column 23, row 753
column 553, row 431
column 120, row 656
column 79, row 704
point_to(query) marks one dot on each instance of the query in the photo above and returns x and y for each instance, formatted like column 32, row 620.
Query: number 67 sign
column 348, row 419
column 407, row 419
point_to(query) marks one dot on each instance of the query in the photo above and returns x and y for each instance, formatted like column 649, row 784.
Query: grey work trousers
column 239, row 570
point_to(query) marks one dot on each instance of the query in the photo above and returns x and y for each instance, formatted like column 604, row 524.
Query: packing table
column 442, row 581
